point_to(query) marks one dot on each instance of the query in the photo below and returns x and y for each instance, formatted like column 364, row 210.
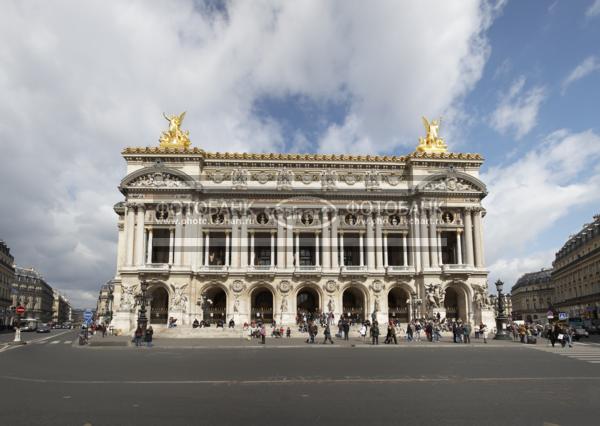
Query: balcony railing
column 450, row 267
column 307, row 269
column 400, row 269
column 215, row 268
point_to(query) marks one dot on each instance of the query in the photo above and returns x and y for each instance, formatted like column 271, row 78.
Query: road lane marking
column 54, row 342
column 66, row 342
column 300, row 381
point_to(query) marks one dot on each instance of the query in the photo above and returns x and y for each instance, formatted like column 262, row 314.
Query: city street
column 55, row 382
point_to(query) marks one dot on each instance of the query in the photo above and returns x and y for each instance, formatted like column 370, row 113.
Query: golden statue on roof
column 432, row 142
column 175, row 137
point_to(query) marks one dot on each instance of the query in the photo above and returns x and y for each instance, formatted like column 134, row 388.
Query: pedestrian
column 409, row 332
column 288, row 333
column 346, row 329
column 148, row 336
column 467, row 332
column 483, row 332
column 137, row 336
column 263, row 334
column 418, row 328
column 569, row 335
column 375, row 333
column 391, row 334
column 327, row 333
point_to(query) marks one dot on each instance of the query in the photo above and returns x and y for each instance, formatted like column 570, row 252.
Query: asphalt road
column 62, row 384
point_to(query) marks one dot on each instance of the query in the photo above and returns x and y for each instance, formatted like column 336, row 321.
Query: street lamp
column 501, row 333
column 142, row 299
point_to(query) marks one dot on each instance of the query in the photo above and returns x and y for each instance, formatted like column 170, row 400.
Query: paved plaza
column 230, row 381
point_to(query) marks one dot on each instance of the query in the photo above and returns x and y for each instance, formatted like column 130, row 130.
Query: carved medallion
column 350, row 179
column 393, row 180
column 377, row 286
column 238, row 286
column 331, row 286
column 217, row 177
column 284, row 287
column 307, row 178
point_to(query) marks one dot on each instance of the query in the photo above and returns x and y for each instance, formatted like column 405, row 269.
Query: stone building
column 104, row 306
column 532, row 297
column 576, row 274
column 268, row 236
column 61, row 309
column 30, row 290
column 7, row 276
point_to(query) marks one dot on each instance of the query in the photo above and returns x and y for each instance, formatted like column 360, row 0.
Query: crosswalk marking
column 580, row 351
column 66, row 342
column 54, row 342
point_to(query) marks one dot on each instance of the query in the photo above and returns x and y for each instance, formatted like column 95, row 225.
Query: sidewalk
column 294, row 342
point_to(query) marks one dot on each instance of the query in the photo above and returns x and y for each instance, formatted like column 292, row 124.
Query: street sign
column 87, row 315
column 563, row 316
column 20, row 310
column 550, row 315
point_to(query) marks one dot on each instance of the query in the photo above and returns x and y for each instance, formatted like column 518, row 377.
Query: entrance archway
column 307, row 303
column 216, row 309
column 262, row 305
column 353, row 302
column 455, row 303
column 398, row 308
column 159, row 306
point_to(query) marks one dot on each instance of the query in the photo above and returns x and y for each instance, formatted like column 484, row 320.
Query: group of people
column 143, row 335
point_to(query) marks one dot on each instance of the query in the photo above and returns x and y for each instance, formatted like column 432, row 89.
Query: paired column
column 172, row 245
column 342, row 249
column 178, row 237
column 334, row 240
column 468, row 237
column 378, row 235
column 129, row 232
column 227, row 244
column 290, row 242
column 317, row 250
column 433, row 240
column 424, row 246
column 297, row 255
column 370, row 244
column 206, row 248
column 252, row 252
column 235, row 241
column 280, row 242
column 139, row 236
column 415, row 240
column 326, row 240
column 244, row 241
column 478, row 239
column 361, row 249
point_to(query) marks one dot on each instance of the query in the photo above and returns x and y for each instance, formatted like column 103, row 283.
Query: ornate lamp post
column 501, row 333
column 204, row 302
column 142, row 299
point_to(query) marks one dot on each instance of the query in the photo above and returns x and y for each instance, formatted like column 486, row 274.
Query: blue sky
column 517, row 81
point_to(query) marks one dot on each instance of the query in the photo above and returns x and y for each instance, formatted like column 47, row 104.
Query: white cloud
column 527, row 197
column 588, row 66
column 79, row 82
column 510, row 269
column 518, row 109
column 593, row 10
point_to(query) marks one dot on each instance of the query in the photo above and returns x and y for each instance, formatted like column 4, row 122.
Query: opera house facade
column 220, row 236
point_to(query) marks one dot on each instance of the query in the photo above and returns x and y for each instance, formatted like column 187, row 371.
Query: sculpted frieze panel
column 158, row 180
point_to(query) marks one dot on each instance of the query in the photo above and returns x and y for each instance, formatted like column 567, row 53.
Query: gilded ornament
column 432, row 143
column 175, row 137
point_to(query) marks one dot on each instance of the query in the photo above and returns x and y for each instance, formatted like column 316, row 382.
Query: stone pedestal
column 124, row 322
column 487, row 317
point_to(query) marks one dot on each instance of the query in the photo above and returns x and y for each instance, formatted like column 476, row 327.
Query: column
column 361, row 249
column 206, row 248
column 177, row 240
column 415, row 241
column 130, row 232
column 252, row 253
column 459, row 247
column 149, row 247
column 468, row 236
column 433, row 242
column 317, row 250
column 335, row 259
column 197, row 241
column 326, row 240
column 139, row 236
column 404, row 250
column 378, row 257
column 235, row 242
column 227, row 243
column 342, row 249
column 424, row 247
column 243, row 247
column 439, row 245
column 477, row 238
column 385, row 250
column 289, row 249
column 370, row 244
column 171, row 245
column 272, row 258
column 297, row 255
column 280, row 242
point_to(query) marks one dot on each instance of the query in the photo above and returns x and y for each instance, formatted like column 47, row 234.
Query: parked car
column 43, row 328
column 579, row 333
